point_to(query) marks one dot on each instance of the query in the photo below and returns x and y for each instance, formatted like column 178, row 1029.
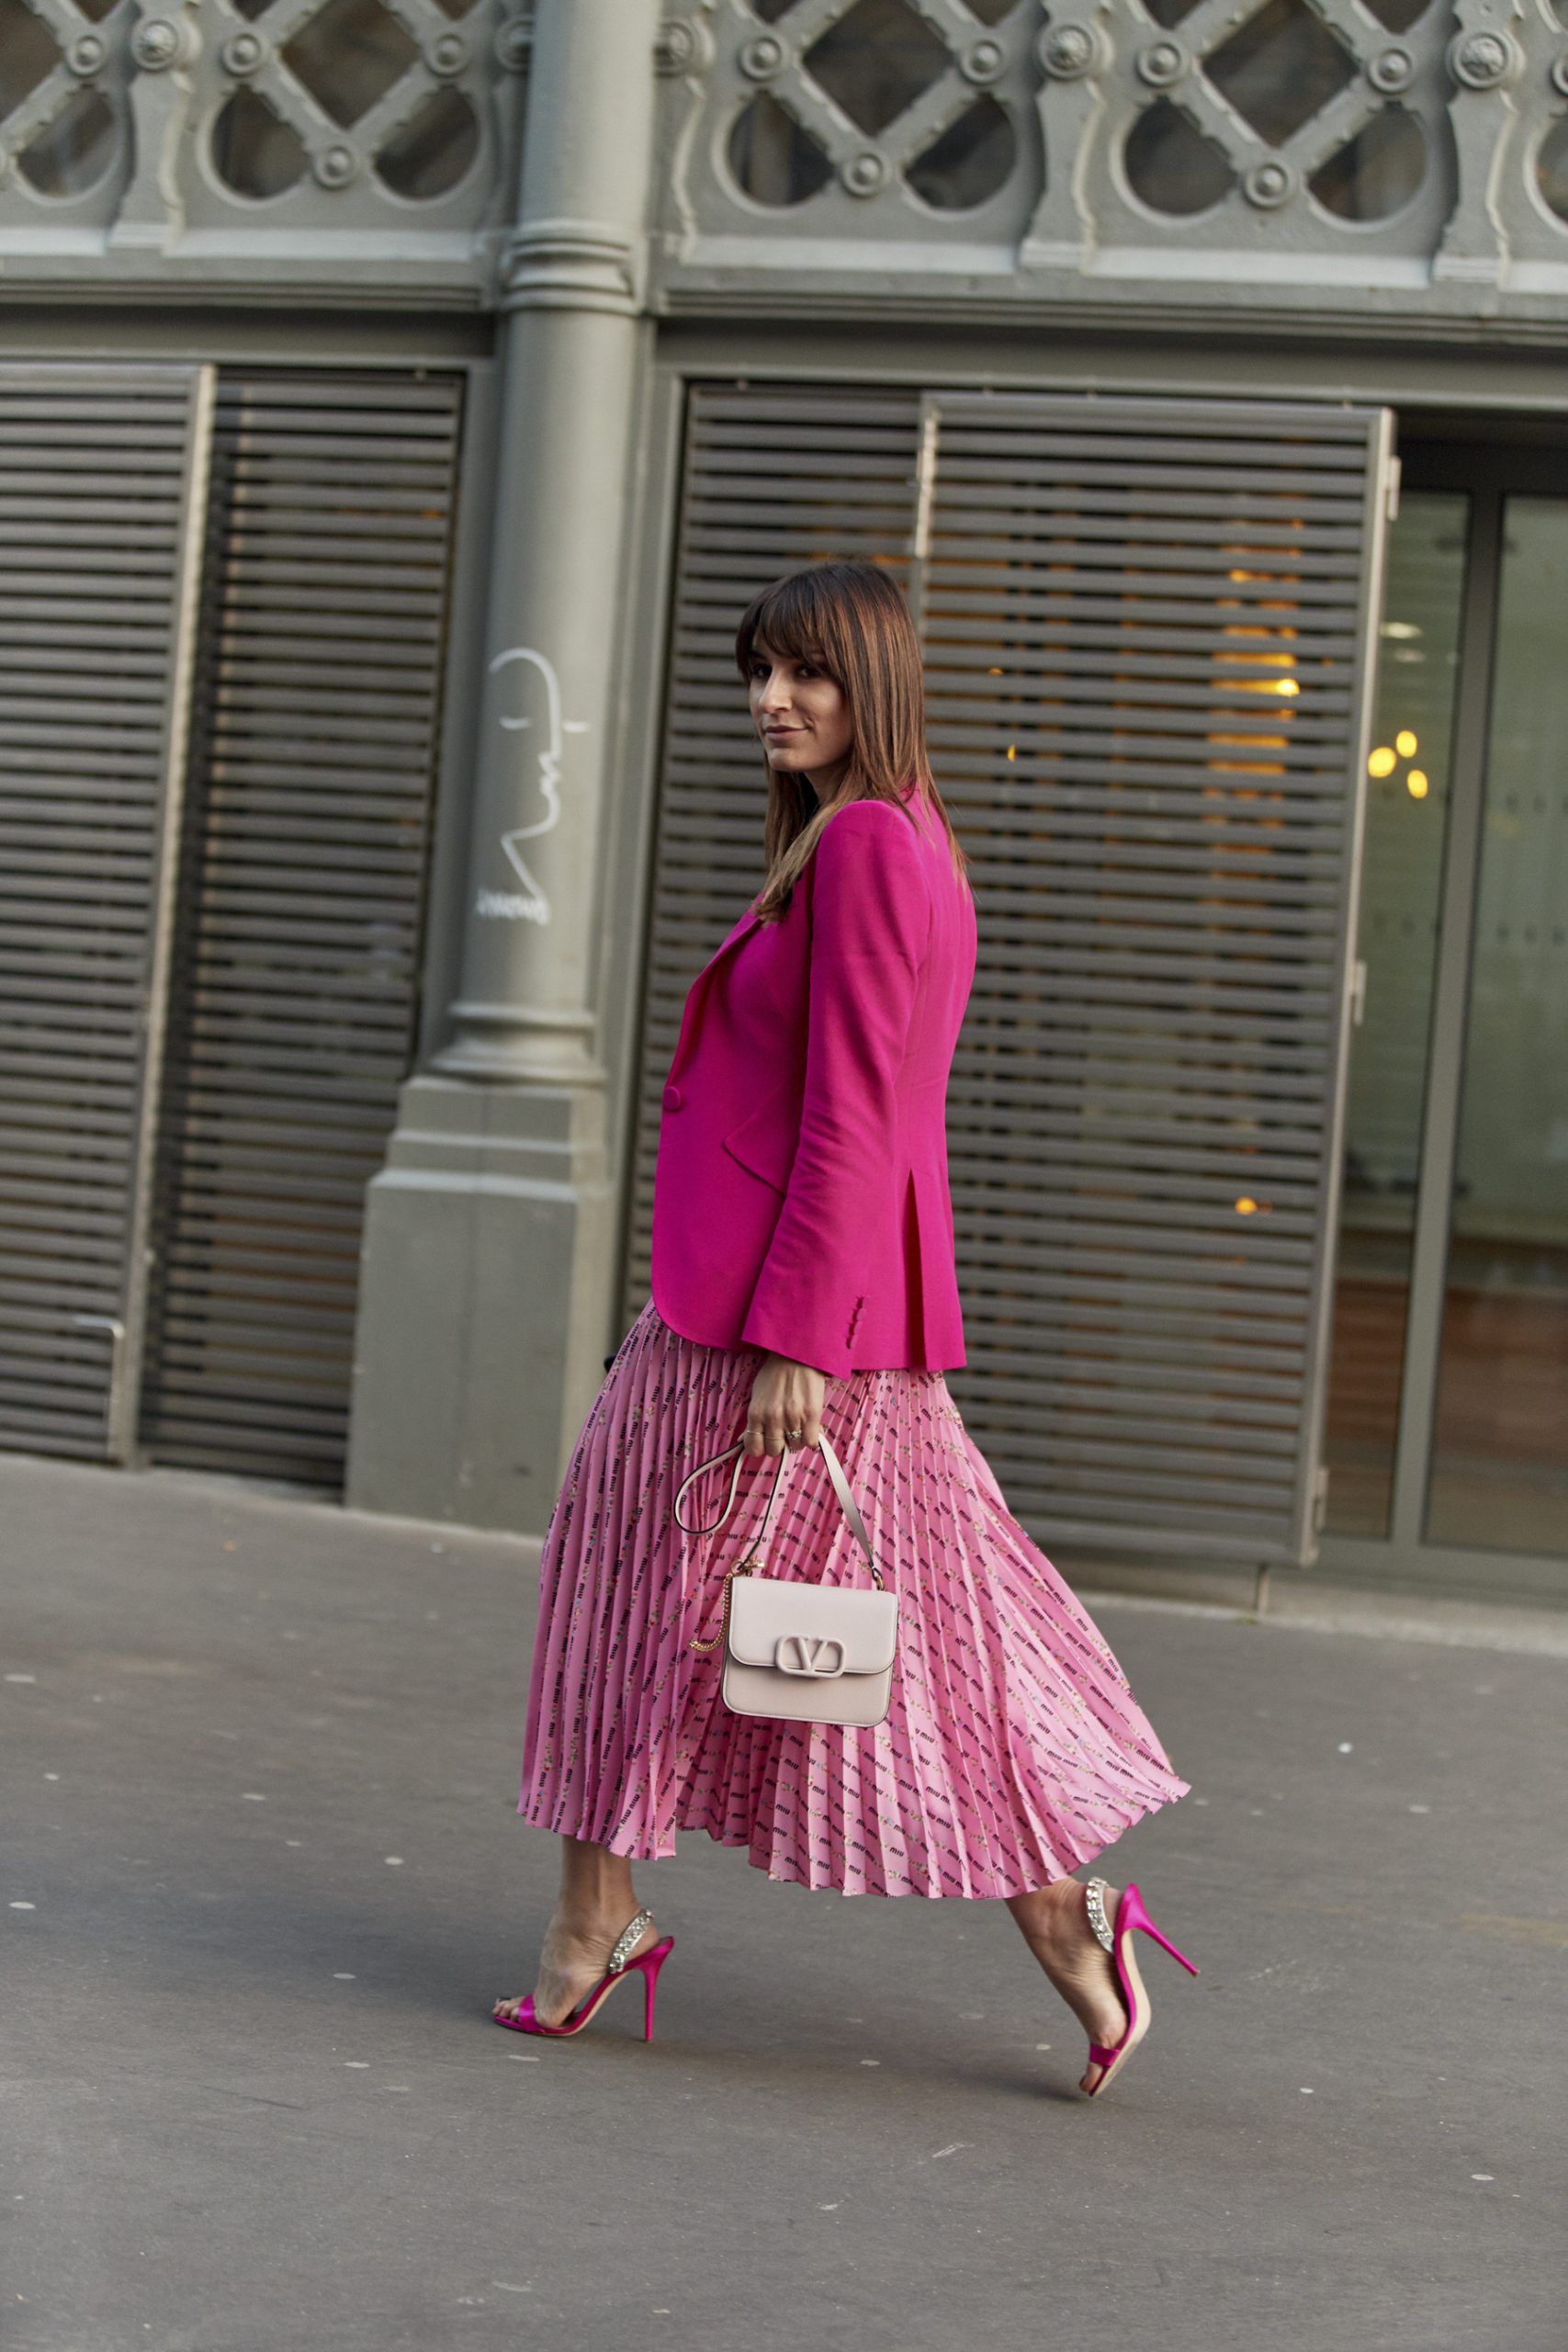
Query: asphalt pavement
column 264, row 1877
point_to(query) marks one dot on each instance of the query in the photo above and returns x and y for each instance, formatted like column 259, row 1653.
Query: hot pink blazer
column 801, row 1198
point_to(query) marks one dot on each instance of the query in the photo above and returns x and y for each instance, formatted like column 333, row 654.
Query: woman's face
column 801, row 714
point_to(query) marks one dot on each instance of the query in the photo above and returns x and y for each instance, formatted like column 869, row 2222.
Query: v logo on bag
column 797, row 1652
column 806, row 1653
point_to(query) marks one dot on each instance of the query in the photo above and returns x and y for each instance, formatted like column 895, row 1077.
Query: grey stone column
column 487, row 1275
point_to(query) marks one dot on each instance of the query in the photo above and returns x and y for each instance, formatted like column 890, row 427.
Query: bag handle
column 847, row 1502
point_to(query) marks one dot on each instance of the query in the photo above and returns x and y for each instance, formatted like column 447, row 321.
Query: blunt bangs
column 849, row 618
column 793, row 616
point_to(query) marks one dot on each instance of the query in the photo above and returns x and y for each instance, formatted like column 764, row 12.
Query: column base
column 486, row 1303
column 525, row 1048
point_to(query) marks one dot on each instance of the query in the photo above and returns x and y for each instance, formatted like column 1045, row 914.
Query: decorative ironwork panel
column 305, row 137
column 64, row 112
column 1301, row 153
column 1296, row 125
column 849, row 119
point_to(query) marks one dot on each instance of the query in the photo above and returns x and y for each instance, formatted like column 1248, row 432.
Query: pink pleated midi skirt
column 1013, row 1750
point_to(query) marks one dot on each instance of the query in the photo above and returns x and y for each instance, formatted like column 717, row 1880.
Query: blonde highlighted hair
column 850, row 620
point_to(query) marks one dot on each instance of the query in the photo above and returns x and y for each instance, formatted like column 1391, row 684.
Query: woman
column 804, row 1281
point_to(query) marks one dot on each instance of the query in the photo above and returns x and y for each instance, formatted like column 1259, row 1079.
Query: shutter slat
column 841, row 471
column 1142, row 1111
column 298, row 921
column 1119, row 600
column 94, row 532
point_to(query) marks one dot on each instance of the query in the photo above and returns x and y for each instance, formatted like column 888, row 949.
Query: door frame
column 1488, row 473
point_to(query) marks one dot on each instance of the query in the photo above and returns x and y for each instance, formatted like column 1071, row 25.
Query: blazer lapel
column 742, row 930
column 731, row 939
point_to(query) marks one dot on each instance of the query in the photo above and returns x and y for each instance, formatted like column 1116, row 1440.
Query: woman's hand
column 786, row 1406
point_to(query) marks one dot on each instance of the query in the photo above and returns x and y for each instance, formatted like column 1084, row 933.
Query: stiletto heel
column 620, row 1966
column 650, row 1968
column 1132, row 1918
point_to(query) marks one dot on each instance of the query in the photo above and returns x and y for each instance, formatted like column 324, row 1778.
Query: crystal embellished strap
column 627, row 1942
column 1094, row 1904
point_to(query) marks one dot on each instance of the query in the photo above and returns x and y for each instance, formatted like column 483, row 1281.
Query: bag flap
column 764, row 1611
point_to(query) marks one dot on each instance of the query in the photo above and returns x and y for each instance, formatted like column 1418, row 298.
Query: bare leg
column 1055, row 1928
column 596, row 1902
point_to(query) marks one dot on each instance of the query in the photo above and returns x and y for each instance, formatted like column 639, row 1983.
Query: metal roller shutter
column 773, row 480
column 303, row 865
column 101, row 479
column 1147, row 628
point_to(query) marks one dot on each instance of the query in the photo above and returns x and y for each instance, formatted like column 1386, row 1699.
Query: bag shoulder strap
column 847, row 1502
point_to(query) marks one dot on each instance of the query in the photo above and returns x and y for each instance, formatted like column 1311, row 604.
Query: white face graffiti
column 542, row 688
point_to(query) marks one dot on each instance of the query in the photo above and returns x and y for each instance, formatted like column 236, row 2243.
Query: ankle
column 587, row 1918
column 592, row 1926
column 1052, row 1914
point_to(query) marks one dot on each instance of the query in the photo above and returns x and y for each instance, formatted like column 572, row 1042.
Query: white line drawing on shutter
column 531, row 905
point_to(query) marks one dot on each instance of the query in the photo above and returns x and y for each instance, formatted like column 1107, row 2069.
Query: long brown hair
column 851, row 620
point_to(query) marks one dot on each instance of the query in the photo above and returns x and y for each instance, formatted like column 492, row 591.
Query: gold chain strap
column 704, row 1649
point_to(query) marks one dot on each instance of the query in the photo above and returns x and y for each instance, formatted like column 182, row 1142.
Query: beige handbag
column 793, row 1651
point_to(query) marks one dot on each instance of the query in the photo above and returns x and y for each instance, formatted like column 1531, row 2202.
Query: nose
column 771, row 696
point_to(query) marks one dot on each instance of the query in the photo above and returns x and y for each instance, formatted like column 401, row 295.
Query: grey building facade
column 397, row 403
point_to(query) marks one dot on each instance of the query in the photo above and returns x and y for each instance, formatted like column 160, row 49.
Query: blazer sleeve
column 870, row 927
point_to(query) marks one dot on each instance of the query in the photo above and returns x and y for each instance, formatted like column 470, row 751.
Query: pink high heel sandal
column 621, row 1965
column 1118, row 1941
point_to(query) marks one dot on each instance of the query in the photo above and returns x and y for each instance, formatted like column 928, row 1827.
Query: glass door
column 1447, row 1440
column 1499, row 1472
column 1408, row 789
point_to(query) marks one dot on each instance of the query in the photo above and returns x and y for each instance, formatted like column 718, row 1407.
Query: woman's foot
column 575, row 1955
column 1056, row 1929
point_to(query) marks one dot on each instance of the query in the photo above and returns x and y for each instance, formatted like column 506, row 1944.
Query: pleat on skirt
column 1013, row 1750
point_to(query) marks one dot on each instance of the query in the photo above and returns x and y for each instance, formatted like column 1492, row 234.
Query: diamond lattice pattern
column 876, row 61
column 348, row 55
column 355, row 86
column 1279, row 68
column 61, row 135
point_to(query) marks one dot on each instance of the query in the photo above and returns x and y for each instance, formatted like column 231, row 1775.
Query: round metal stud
column 1069, row 51
column 1269, row 185
column 158, row 42
column 446, row 54
column 864, row 174
column 982, row 61
column 513, row 43
column 763, row 58
column 241, row 53
column 335, row 166
column 681, row 46
column 1163, row 63
column 85, row 55
column 1484, row 61
column 1392, row 70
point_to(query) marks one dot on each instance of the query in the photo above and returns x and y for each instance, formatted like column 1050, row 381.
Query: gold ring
column 794, row 1432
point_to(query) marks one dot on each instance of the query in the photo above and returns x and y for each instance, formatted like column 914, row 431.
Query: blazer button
column 674, row 1098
